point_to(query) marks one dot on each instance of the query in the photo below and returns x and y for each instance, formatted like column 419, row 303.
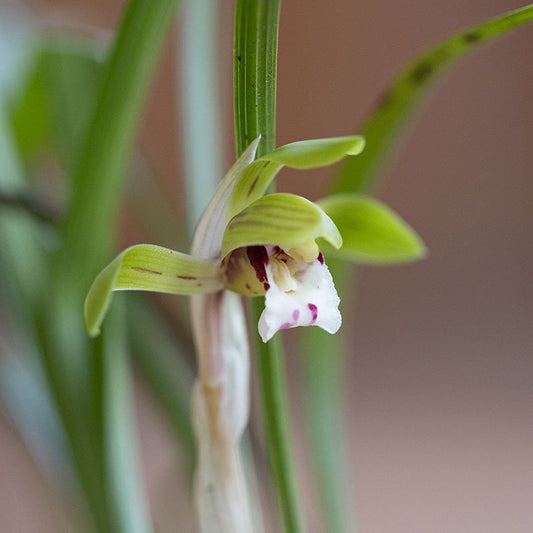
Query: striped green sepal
column 146, row 267
column 371, row 232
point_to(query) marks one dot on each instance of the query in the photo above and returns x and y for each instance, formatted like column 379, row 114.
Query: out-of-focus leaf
column 21, row 257
column 400, row 100
column 120, row 442
column 286, row 220
column 371, row 232
column 314, row 153
column 162, row 359
column 51, row 104
column 199, row 80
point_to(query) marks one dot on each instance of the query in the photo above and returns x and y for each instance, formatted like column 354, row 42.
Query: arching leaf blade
column 401, row 99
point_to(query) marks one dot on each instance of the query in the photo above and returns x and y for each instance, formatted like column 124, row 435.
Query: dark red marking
column 146, row 270
column 186, row 277
column 258, row 257
column 252, row 186
column 320, row 258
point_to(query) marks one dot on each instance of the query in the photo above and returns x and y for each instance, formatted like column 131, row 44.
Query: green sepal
column 281, row 219
column 371, row 232
column 146, row 267
column 256, row 178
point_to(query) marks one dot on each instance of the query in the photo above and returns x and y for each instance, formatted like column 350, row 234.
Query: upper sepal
column 149, row 268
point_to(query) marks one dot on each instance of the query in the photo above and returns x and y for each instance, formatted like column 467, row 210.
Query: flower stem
column 276, row 425
column 255, row 59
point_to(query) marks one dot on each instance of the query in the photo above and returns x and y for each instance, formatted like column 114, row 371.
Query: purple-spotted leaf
column 281, row 219
column 371, row 232
column 147, row 267
column 256, row 178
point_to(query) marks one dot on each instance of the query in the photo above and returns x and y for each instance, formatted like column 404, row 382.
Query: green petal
column 255, row 179
column 371, row 232
column 147, row 267
column 282, row 219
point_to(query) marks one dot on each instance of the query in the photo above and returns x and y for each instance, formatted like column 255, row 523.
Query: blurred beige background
column 440, row 382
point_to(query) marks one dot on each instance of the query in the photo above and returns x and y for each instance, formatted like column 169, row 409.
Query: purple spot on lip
column 314, row 313
column 320, row 258
column 286, row 325
column 295, row 315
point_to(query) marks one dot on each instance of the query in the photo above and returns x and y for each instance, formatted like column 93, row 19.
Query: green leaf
column 51, row 106
column 256, row 178
column 99, row 171
column 120, row 440
column 283, row 219
column 148, row 268
column 371, row 232
column 199, row 106
column 401, row 99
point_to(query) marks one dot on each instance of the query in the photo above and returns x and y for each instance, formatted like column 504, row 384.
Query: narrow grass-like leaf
column 400, row 100
column 371, row 232
column 99, row 172
column 146, row 267
column 283, row 219
column 51, row 106
column 324, row 378
column 258, row 176
column 200, row 109
column 121, row 445
column 87, row 238
column 162, row 359
column 381, row 130
column 22, row 261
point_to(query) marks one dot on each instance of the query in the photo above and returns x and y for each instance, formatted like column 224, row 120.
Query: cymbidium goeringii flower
column 267, row 245
column 250, row 244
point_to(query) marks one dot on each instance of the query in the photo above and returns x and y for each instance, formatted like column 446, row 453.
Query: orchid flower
column 251, row 244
